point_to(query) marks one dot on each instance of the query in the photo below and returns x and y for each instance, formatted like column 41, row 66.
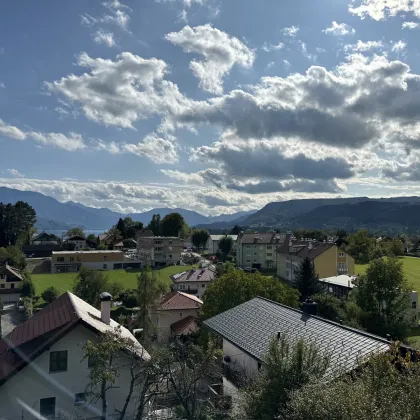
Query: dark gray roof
column 261, row 238
column 251, row 325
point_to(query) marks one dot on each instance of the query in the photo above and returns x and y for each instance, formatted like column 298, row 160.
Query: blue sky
column 210, row 105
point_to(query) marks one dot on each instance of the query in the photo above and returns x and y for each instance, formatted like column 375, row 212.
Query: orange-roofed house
column 175, row 314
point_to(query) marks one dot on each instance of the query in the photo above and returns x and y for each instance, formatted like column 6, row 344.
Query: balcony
column 217, row 397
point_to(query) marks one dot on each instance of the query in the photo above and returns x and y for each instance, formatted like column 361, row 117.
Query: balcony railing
column 218, row 399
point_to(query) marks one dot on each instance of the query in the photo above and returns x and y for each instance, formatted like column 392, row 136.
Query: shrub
column 50, row 294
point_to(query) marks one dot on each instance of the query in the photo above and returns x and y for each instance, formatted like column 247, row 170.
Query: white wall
column 240, row 361
column 183, row 287
column 34, row 382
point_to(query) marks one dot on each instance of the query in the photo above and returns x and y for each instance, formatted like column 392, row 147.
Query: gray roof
column 251, row 325
column 261, row 238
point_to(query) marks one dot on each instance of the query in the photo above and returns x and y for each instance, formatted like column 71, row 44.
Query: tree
column 50, row 294
column 387, row 387
column 149, row 289
column 286, row 368
column 199, row 238
column 396, row 247
column 93, row 239
column 114, row 236
column 75, row 231
column 383, row 294
column 236, row 230
column 172, row 224
column 305, row 279
column 361, row 246
column 226, row 245
column 154, row 224
column 236, row 287
column 128, row 227
column 28, row 288
column 89, row 284
column 13, row 256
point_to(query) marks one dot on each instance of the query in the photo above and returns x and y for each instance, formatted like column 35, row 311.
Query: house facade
column 258, row 250
column 175, row 314
column 328, row 258
column 48, row 375
column 212, row 244
column 44, row 238
column 193, row 282
column 79, row 242
column 159, row 251
column 10, row 283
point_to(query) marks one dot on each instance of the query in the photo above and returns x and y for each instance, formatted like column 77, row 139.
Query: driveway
column 10, row 320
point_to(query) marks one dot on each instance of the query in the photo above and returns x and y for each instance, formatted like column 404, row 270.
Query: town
column 169, row 321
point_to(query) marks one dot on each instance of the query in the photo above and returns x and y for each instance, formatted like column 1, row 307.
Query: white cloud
column 115, row 5
column 11, row 131
column 381, row 9
column 15, row 173
column 71, row 142
column 290, row 31
column 102, row 37
column 272, row 47
column 361, row 46
column 118, row 16
column 339, row 29
column 111, row 147
column 410, row 25
column 287, row 64
column 2, row 85
column 399, row 46
column 220, row 53
column 158, row 149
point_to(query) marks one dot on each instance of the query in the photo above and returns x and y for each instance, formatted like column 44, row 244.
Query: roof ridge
column 328, row 321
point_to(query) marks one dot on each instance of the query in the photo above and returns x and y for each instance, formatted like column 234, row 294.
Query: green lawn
column 65, row 281
column 411, row 269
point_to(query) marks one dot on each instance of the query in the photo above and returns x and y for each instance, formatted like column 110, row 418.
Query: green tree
column 13, row 256
column 286, row 368
column 89, row 284
column 361, row 246
column 114, row 235
column 149, row 289
column 306, row 279
column 396, row 247
column 50, row 294
column 75, row 231
column 236, row 230
column 236, row 287
column 199, row 238
column 93, row 239
column 383, row 294
column 226, row 245
column 128, row 227
column 154, row 224
column 172, row 224
column 28, row 288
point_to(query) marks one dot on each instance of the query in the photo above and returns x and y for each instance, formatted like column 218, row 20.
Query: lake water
column 60, row 233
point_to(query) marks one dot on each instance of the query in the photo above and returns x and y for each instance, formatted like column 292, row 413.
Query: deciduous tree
column 226, row 245
column 361, row 246
column 50, row 294
column 13, row 256
column 172, row 224
column 89, row 284
column 75, row 231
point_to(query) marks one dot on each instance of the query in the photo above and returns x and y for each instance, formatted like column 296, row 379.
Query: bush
column 129, row 298
column 50, row 294
column 28, row 287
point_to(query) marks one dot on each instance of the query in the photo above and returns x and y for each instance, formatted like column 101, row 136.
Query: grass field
column 411, row 267
column 65, row 281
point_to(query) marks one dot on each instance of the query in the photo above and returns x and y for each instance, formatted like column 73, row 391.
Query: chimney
column 309, row 307
column 106, row 300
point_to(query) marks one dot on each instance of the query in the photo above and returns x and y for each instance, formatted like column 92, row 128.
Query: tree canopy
column 199, row 238
column 362, row 247
column 305, row 279
column 128, row 227
column 89, row 284
column 50, row 294
column 236, row 287
column 236, row 230
column 13, row 256
column 225, row 245
column 75, row 231
column 171, row 224
column 154, row 224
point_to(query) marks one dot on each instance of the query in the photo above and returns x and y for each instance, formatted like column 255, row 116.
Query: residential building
column 159, row 251
column 79, row 242
column 71, row 261
column 193, row 282
column 10, row 283
column 258, row 250
column 175, row 314
column 44, row 238
column 43, row 373
column 248, row 329
column 213, row 242
column 106, row 240
column 328, row 258
column 126, row 244
column 339, row 286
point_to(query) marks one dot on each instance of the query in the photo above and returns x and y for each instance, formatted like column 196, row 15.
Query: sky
column 210, row 105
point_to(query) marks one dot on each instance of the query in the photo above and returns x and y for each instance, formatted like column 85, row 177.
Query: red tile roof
column 185, row 326
column 179, row 300
column 201, row 275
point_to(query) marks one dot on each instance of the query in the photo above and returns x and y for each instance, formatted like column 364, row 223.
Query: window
column 79, row 398
column 414, row 305
column 341, row 254
column 12, row 285
column 170, row 256
column 2, row 286
column 47, row 407
column 58, row 361
column 268, row 247
column 2, row 276
column 105, row 257
column 170, row 242
column 255, row 253
column 71, row 259
column 342, row 267
column 104, row 266
column 248, row 246
column 180, row 314
column 60, row 259
column 269, row 254
column 203, row 285
column 248, row 261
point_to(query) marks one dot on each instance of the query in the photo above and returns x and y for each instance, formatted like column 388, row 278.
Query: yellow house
column 328, row 258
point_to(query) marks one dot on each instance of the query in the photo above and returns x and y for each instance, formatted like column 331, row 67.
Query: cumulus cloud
column 220, row 53
column 272, row 47
column 339, row 29
column 102, row 37
column 15, row 173
column 410, row 25
column 362, row 46
column 71, row 142
column 290, row 31
column 11, row 131
column 399, row 46
column 382, row 9
column 158, row 149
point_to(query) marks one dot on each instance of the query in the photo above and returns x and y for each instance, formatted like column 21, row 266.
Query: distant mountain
column 237, row 217
column 192, row 218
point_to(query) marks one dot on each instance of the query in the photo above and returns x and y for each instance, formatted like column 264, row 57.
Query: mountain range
column 397, row 213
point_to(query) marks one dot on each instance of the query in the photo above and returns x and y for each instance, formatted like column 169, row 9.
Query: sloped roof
column 342, row 280
column 304, row 249
column 218, row 237
column 76, row 238
column 179, row 300
column 262, row 238
column 185, row 326
column 251, row 325
column 201, row 275
column 15, row 271
column 34, row 336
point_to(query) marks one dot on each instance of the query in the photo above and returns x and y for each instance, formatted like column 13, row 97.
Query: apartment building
column 212, row 244
column 71, row 261
column 328, row 258
column 159, row 251
column 258, row 250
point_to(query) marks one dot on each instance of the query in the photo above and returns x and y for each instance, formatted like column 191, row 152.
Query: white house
column 194, row 282
column 213, row 242
column 42, row 371
column 79, row 242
